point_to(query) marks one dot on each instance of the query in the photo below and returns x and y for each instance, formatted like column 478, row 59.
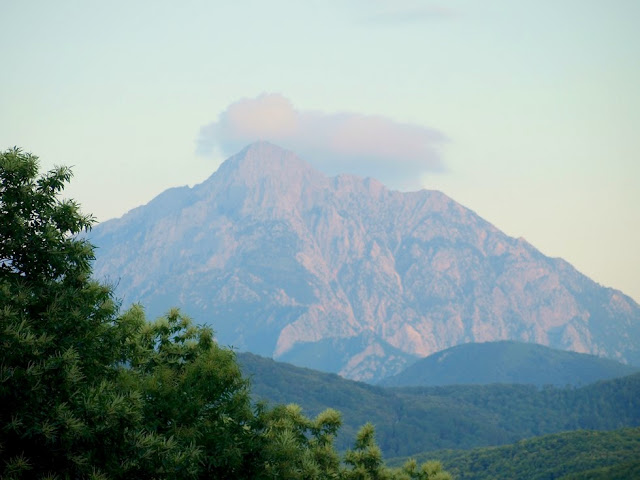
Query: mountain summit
column 342, row 274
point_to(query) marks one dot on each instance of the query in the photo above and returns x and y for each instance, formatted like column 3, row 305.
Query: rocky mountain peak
column 263, row 162
column 342, row 274
column 262, row 177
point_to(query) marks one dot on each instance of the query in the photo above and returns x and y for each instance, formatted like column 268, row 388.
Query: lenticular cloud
column 371, row 146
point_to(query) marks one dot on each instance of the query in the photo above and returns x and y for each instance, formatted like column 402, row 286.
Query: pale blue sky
column 536, row 103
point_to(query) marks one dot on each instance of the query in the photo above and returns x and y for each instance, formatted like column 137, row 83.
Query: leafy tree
column 89, row 392
column 366, row 457
column 64, row 351
column 431, row 470
column 366, row 463
column 56, row 326
column 296, row 447
column 194, row 394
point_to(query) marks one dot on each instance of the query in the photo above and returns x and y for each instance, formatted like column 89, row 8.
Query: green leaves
column 430, row 470
column 56, row 326
column 89, row 392
column 366, row 457
column 296, row 447
column 36, row 235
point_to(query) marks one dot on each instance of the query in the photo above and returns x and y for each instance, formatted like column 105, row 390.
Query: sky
column 526, row 112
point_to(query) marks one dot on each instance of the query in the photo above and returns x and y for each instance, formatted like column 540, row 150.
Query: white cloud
column 395, row 153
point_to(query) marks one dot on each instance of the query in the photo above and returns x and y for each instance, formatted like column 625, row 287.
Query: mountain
column 284, row 261
column 508, row 362
column 420, row 419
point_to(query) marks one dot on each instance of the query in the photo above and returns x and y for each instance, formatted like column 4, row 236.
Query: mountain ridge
column 410, row 420
column 510, row 362
column 275, row 255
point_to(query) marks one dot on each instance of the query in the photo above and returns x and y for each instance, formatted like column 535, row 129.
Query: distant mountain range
column 344, row 275
column 507, row 362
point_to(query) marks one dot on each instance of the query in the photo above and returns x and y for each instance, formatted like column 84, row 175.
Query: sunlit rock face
column 344, row 275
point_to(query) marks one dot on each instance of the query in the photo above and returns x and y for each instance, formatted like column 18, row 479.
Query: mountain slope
column 413, row 420
column 568, row 455
column 278, row 258
column 507, row 362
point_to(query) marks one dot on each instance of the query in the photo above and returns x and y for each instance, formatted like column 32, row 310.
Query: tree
column 431, row 470
column 56, row 324
column 293, row 446
column 89, row 392
column 194, row 394
column 64, row 351
column 366, row 463
column 366, row 458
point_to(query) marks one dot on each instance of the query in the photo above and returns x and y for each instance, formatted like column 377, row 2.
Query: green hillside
column 568, row 456
column 411, row 420
column 508, row 362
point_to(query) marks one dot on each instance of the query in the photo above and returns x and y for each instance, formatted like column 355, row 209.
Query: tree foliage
column 88, row 391
column 57, row 325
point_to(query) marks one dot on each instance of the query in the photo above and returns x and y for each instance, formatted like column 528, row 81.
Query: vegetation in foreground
column 88, row 391
column 567, row 456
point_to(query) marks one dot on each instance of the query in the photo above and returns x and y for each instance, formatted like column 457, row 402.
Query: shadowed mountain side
column 277, row 257
column 507, row 362
column 413, row 420
column 335, row 354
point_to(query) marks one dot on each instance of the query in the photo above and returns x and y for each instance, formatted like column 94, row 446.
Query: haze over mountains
column 343, row 275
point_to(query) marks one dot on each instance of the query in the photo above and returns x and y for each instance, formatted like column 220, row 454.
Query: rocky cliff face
column 343, row 275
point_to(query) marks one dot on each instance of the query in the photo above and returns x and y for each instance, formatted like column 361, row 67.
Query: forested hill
column 578, row 455
column 508, row 362
column 413, row 420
